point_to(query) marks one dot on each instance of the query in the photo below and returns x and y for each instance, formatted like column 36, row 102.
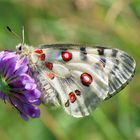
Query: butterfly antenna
column 23, row 35
column 15, row 34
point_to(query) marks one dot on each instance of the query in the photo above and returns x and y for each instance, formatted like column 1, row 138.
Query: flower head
column 16, row 86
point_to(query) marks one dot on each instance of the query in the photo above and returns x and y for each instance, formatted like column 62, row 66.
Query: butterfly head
column 26, row 51
column 22, row 49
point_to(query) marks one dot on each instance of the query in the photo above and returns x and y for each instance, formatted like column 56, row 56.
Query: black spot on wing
column 78, row 92
column 63, row 49
column 67, row 103
column 83, row 53
column 83, row 49
column 101, row 50
column 114, row 53
column 103, row 61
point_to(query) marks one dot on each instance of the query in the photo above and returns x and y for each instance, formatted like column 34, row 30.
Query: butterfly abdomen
column 49, row 95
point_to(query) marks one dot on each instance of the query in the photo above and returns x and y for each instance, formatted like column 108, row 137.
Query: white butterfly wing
column 79, row 100
column 82, row 77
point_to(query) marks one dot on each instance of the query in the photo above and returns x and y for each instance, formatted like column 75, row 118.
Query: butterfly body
column 78, row 77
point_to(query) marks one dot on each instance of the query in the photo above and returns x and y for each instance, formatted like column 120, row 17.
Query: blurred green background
column 113, row 23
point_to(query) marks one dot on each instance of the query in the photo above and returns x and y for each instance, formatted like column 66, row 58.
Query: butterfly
column 78, row 77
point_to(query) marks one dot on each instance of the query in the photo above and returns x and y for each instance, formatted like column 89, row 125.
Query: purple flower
column 16, row 86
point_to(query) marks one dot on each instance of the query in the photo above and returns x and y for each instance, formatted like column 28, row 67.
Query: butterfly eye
column 20, row 48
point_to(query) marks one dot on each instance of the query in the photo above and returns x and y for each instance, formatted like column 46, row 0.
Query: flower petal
column 22, row 62
column 32, row 111
column 26, row 78
column 32, row 95
column 21, row 70
column 37, row 102
column 9, row 67
column 1, row 95
column 8, row 55
column 30, row 86
column 23, row 116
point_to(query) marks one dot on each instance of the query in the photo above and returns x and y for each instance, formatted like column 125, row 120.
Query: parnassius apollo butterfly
column 78, row 77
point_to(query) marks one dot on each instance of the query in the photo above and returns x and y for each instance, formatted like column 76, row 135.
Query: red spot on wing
column 66, row 56
column 72, row 97
column 42, row 57
column 41, row 54
column 49, row 65
column 86, row 79
column 38, row 51
column 50, row 75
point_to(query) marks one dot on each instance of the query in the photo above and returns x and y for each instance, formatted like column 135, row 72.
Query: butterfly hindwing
column 77, row 99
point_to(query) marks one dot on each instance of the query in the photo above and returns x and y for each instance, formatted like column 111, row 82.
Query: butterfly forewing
column 80, row 77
